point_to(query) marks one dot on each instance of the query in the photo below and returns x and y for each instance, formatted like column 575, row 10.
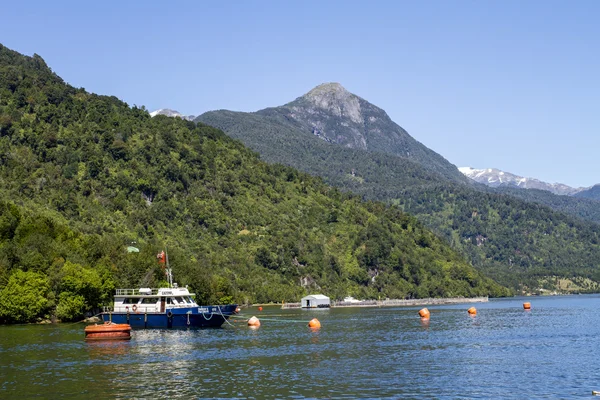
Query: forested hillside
column 516, row 239
column 84, row 176
column 517, row 243
column 372, row 174
column 586, row 209
column 591, row 193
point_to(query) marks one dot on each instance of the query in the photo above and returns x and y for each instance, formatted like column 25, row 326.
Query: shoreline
column 399, row 302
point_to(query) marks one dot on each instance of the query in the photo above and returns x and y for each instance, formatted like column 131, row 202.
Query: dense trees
column 25, row 297
column 586, row 209
column 84, row 176
column 517, row 243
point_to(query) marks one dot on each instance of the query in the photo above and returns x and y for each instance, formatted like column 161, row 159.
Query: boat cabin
column 146, row 300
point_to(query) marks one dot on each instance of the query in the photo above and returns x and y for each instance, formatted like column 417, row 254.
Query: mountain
column 578, row 202
column 172, row 113
column 590, row 193
column 83, row 176
column 372, row 175
column 527, row 242
column 339, row 136
column 337, row 116
column 494, row 177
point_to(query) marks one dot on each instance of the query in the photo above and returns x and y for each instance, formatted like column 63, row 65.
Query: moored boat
column 171, row 307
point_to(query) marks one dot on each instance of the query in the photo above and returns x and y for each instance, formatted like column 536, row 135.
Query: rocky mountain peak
column 334, row 98
column 330, row 87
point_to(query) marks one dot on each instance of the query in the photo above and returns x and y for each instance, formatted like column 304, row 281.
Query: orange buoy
column 527, row 306
column 472, row 311
column 314, row 323
column 253, row 322
column 259, row 308
column 424, row 313
column 108, row 331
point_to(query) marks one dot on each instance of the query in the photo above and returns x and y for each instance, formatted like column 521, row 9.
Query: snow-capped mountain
column 171, row 113
column 494, row 177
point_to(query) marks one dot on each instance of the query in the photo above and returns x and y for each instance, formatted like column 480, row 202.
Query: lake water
column 504, row 352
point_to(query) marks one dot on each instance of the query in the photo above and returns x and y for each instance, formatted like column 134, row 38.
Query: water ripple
column 385, row 353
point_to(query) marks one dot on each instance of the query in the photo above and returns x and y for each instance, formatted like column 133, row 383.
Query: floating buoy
column 253, row 322
column 314, row 323
column 259, row 308
column 527, row 306
column 424, row 313
column 472, row 311
column 237, row 310
column 108, row 331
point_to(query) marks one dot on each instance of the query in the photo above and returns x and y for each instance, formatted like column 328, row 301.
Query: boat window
column 149, row 300
column 180, row 299
column 169, row 300
column 131, row 300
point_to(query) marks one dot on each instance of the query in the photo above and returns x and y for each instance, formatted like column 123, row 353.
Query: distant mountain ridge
column 590, row 193
column 172, row 113
column 497, row 178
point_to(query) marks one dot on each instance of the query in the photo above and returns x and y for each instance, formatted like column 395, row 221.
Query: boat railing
column 135, row 292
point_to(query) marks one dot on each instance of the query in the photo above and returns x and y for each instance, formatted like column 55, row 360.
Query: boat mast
column 169, row 273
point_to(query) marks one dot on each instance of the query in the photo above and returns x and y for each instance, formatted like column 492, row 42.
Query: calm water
column 504, row 352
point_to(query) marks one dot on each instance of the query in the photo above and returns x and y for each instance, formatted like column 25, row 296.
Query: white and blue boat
column 165, row 308
column 171, row 307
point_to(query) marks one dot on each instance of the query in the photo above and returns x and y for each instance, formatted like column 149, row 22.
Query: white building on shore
column 315, row 301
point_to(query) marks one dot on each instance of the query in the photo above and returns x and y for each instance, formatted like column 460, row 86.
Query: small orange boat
column 108, row 331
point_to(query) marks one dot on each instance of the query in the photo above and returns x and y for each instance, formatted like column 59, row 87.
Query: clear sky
column 507, row 84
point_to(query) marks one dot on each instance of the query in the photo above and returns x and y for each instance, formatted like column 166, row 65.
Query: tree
column 80, row 290
column 25, row 297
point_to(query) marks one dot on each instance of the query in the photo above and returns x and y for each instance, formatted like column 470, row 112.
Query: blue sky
column 507, row 84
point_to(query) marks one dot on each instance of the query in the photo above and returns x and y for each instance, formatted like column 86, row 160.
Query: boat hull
column 193, row 317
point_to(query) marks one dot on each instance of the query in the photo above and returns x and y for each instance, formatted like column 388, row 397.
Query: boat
column 169, row 307
column 108, row 331
column 350, row 299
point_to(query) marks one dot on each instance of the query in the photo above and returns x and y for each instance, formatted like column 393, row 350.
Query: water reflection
column 107, row 349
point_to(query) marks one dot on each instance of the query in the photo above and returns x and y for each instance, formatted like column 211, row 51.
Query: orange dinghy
column 108, row 331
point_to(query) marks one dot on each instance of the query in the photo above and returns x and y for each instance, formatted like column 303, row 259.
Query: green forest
column 85, row 176
column 591, row 193
column 517, row 243
column 524, row 239
column 586, row 209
